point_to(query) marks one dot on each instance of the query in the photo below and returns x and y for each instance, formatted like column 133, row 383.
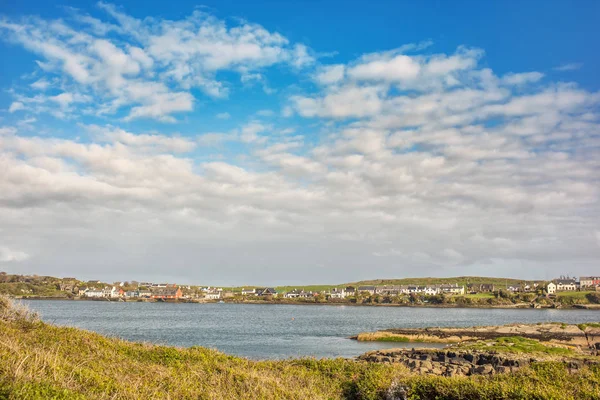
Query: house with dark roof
column 266, row 292
column 166, row 293
column 368, row 289
column 565, row 285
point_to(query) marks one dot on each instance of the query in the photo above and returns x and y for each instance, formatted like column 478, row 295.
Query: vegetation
column 588, row 325
column 395, row 338
column 518, row 344
column 460, row 280
column 309, row 288
column 41, row 361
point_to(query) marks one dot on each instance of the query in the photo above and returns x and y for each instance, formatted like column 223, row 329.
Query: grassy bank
column 42, row 361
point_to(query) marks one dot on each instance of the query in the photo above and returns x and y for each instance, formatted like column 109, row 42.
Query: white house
column 94, row 293
column 565, row 285
column 551, row 288
column 248, row 292
column 336, row 293
column 213, row 295
column 451, row 289
column 366, row 289
column 430, row 290
column 293, row 294
column 111, row 292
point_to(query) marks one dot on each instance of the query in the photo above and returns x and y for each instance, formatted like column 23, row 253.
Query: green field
column 480, row 296
column 500, row 283
column 573, row 295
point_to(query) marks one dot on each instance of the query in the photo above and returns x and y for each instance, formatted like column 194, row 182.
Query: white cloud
column 223, row 115
column 16, row 106
column 7, row 130
column 344, row 102
column 149, row 66
column 301, row 56
column 7, row 255
column 393, row 69
column 569, row 67
column 41, row 84
column 143, row 141
column 330, row 74
column 522, row 78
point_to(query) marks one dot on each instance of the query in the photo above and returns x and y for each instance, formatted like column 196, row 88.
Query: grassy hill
column 460, row 280
column 42, row 361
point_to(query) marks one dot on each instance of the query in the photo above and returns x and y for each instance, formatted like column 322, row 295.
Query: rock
column 396, row 392
column 483, row 370
column 427, row 364
column 503, row 369
column 459, row 361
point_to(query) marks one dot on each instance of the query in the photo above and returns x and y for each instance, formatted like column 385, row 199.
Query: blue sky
column 291, row 142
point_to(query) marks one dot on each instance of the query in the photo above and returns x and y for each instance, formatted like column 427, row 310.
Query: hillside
column 42, row 361
column 460, row 280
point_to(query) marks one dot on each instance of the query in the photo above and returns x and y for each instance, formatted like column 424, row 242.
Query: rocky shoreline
column 583, row 336
column 516, row 306
column 464, row 362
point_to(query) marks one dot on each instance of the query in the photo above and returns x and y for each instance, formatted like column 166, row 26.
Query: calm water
column 275, row 331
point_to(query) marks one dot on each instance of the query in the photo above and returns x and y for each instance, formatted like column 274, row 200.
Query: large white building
column 94, row 293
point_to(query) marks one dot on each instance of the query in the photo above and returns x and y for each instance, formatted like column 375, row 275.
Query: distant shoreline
column 522, row 306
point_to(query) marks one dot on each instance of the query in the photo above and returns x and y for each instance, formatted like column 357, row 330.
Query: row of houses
column 113, row 292
column 562, row 285
column 566, row 284
column 395, row 290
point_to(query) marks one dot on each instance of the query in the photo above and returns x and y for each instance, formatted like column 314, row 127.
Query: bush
column 16, row 312
column 593, row 297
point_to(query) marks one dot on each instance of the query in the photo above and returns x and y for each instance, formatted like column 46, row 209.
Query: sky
column 239, row 143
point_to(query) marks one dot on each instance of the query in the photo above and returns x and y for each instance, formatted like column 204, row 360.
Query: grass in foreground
column 41, row 361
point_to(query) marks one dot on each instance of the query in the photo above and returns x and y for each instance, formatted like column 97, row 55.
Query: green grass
column 588, row 325
column 573, row 295
column 308, row 288
column 401, row 339
column 480, row 296
column 42, row 361
column 460, row 280
column 518, row 344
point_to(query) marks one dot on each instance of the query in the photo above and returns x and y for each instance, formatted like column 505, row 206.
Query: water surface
column 275, row 331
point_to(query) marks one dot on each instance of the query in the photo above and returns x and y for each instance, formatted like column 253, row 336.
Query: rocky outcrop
column 461, row 362
column 554, row 333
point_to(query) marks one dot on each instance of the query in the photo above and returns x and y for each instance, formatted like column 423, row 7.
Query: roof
column 266, row 290
column 170, row 291
column 564, row 281
column 366, row 288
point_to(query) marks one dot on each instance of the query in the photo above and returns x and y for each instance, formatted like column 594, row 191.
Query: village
column 165, row 291
column 462, row 293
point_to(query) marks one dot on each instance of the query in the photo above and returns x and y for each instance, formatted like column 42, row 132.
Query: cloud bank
column 408, row 162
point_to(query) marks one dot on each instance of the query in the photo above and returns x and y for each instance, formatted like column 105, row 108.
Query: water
column 275, row 331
